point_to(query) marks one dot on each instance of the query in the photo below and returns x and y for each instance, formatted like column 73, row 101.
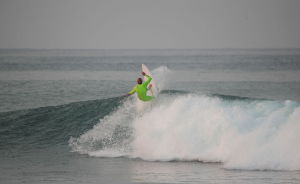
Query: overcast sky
column 154, row 24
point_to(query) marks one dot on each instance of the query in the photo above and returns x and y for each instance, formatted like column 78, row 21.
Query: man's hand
column 143, row 73
column 127, row 95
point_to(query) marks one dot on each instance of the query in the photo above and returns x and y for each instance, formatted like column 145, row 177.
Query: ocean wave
column 240, row 133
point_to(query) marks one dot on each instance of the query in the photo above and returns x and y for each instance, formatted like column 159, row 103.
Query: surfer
column 141, row 88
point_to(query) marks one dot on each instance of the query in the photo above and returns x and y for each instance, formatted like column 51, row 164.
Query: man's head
column 139, row 80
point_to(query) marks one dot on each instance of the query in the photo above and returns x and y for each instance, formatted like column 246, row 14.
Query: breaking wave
column 240, row 133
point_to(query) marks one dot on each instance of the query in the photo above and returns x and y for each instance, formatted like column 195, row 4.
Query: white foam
column 242, row 135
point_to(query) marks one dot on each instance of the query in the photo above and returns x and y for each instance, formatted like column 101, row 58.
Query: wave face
column 53, row 125
column 241, row 133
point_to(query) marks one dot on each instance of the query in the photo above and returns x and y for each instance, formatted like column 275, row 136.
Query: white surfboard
column 154, row 89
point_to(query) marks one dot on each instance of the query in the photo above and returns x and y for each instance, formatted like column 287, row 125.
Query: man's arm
column 148, row 80
column 132, row 91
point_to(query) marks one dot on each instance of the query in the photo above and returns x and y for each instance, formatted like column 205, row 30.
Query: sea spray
column 242, row 134
column 162, row 76
column 110, row 134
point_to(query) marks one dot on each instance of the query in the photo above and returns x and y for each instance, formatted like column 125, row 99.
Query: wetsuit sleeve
column 132, row 91
column 148, row 80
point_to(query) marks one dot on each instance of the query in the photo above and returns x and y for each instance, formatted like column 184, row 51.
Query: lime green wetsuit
column 141, row 90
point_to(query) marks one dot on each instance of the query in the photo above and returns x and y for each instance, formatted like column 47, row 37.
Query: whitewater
column 240, row 133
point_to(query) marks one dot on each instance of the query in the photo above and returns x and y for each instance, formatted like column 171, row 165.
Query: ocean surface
column 222, row 116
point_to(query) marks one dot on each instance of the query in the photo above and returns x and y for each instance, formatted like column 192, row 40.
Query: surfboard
column 154, row 90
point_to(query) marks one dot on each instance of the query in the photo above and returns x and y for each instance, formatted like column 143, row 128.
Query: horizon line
column 257, row 48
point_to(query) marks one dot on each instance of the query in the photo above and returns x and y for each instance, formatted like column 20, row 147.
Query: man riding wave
column 141, row 88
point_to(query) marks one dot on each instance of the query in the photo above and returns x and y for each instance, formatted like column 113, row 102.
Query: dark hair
column 139, row 80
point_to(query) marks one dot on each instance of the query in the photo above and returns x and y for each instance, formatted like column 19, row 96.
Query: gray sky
column 149, row 24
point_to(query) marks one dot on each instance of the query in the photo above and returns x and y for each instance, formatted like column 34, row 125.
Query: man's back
column 141, row 90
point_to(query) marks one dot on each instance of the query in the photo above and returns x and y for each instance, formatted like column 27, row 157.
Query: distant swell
column 241, row 133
